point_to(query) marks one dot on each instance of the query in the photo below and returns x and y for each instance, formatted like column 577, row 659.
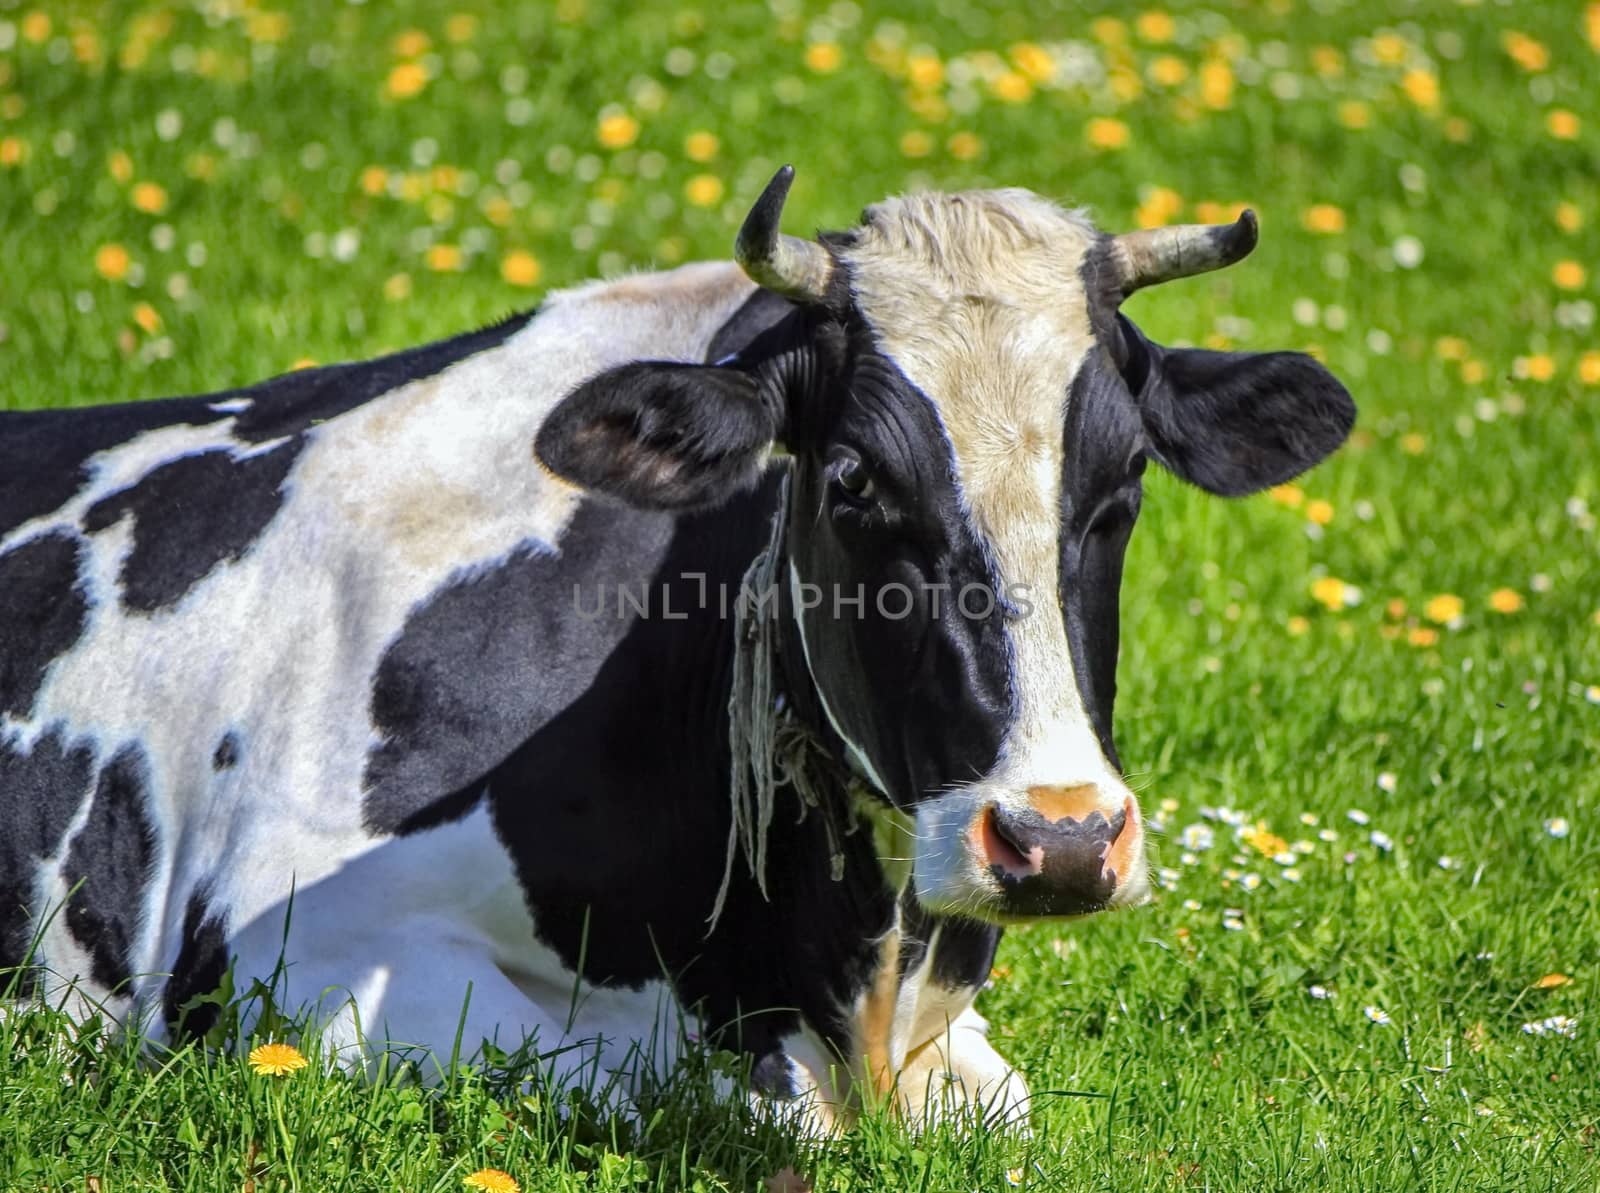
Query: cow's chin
column 986, row 855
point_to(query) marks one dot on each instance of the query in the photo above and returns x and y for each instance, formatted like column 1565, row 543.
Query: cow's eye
column 851, row 477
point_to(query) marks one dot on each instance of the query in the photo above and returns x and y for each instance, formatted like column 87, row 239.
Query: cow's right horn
column 796, row 268
column 1161, row 254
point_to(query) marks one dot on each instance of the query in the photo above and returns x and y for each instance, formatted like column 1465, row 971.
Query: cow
column 722, row 653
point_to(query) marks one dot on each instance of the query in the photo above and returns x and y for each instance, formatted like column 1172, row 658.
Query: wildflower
column 1562, row 124
column 1297, row 625
column 12, row 151
column 925, row 71
column 1569, row 275
column 703, row 190
column 443, row 258
column 1557, row 1025
column 1357, row 816
column 701, row 146
column 1105, row 132
column 491, row 1180
column 1154, row 26
column 1592, row 693
column 1167, row 71
column 1034, row 61
column 964, row 146
column 1473, row 371
column 916, row 143
column 1329, row 591
column 111, row 262
column 1289, row 495
column 1422, row 636
column 276, row 1060
column 1108, row 31
column 412, row 43
column 150, row 198
column 617, row 130
column 824, row 57
column 1323, row 218
column 147, row 317
column 1387, row 782
column 1421, row 88
column 1413, row 444
column 1321, row 993
column 1526, row 52
column 1377, row 1015
column 1446, row 862
column 1591, row 25
column 1381, row 840
column 1389, row 48
column 521, row 268
column 1266, row 843
column 1320, row 512
column 1505, row 600
column 1444, row 608
column 1012, row 87
column 1551, row 980
column 406, row 80
column 36, row 27
column 1216, row 84
column 1354, row 114
column 1557, row 827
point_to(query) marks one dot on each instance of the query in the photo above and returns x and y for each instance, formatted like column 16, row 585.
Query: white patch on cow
column 231, row 406
column 383, row 506
column 978, row 299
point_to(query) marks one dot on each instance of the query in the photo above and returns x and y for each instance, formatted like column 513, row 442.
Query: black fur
column 200, row 968
column 42, row 613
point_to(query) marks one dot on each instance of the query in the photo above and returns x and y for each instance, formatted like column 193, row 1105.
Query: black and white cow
column 332, row 677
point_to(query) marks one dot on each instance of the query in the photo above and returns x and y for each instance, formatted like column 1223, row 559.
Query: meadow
column 1362, row 709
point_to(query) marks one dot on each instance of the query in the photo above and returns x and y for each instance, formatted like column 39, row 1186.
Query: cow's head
column 969, row 416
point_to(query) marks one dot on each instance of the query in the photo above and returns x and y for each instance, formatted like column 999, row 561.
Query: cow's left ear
column 660, row 435
column 1238, row 422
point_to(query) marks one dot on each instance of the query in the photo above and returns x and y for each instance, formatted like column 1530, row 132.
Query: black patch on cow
column 774, row 1076
column 963, row 953
column 42, row 613
column 108, row 868
column 190, row 516
column 200, row 968
column 226, row 755
column 758, row 313
column 41, row 791
column 488, row 659
column 44, row 453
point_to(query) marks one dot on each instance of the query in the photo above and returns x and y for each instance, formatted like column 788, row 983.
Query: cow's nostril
column 1004, row 846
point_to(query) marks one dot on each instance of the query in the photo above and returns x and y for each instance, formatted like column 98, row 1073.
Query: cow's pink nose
column 1058, row 854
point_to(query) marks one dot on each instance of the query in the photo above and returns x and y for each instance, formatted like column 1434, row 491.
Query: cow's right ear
column 661, row 436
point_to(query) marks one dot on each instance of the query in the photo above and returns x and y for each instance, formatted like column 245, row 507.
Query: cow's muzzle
column 1058, row 853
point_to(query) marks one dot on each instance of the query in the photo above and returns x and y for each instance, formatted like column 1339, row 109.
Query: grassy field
column 1366, row 708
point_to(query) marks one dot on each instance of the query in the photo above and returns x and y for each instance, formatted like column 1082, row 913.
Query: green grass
column 1194, row 1053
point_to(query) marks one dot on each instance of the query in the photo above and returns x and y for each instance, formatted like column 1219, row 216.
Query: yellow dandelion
column 521, row 268
column 1034, row 61
column 147, row 317
column 1505, row 600
column 149, row 197
column 445, row 178
column 1473, row 372
column 407, row 80
column 1396, row 608
column 701, row 146
column 374, row 180
column 499, row 211
column 462, row 26
column 1569, row 217
column 1551, row 980
column 1154, row 26
column 1327, row 62
column 1292, row 496
column 13, row 151
column 1329, row 592
column 617, row 130
column 1160, row 206
column 916, row 143
column 1538, row 367
column 1390, row 49
column 276, row 1060
column 824, row 57
column 1108, row 31
column 925, row 71
column 964, row 146
column 267, row 26
column 1591, row 25
column 1216, row 84
column 1297, row 625
column 1450, row 348
column 1012, row 87
column 1355, row 114
column 1413, row 443
column 703, row 190
column 1167, row 71
column 1323, row 218
column 1563, row 125
column 1525, row 51
column 120, row 166
column 1106, row 132
column 1421, row 88
column 1444, row 608
column 1125, row 84
column 1569, row 275
column 1422, row 636
column 304, row 362
column 36, row 26
column 492, row 1180
column 398, row 287
column 111, row 262
column 412, row 43
column 86, row 47
column 413, row 187
column 1589, row 368
column 443, row 258
column 1264, row 841
column 1320, row 512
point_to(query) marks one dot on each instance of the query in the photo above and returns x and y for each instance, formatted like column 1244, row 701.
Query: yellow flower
column 703, row 190
column 521, row 268
column 1589, row 368
column 36, row 26
column 1328, row 591
column 120, row 165
column 1290, row 495
column 491, row 1180
column 1264, row 841
column 1421, row 88
column 443, row 258
column 148, row 319
column 1324, row 218
column 1444, row 608
column 1125, row 83
column 1297, row 625
column 1167, row 71
column 1320, row 512
column 1012, row 87
column 398, row 287
column 1106, row 132
column 150, row 198
column 498, row 211
column 1396, row 608
column 1355, row 114
column 1413, row 444
column 1216, row 84
column 1505, row 600
column 406, row 80
column 916, row 143
column 964, row 146
column 1525, row 51
column 824, row 57
column 374, row 179
column 276, row 1060
column 1450, row 348
column 1109, row 31
column 925, row 71
column 461, row 27
column 1563, row 125
column 1569, row 275
column 12, row 151
column 267, row 26
column 1538, row 367
column 1034, row 61
column 1160, row 206
column 1473, row 371
column 413, row 43
column 617, row 130
column 1154, row 26
column 1569, row 217
column 1389, row 48
column 1327, row 62
column 1591, row 25
column 701, row 146
column 1423, row 636
column 111, row 262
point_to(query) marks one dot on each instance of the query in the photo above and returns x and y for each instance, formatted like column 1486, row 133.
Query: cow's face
column 969, row 417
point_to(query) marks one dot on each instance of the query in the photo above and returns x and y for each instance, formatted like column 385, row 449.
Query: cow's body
column 331, row 681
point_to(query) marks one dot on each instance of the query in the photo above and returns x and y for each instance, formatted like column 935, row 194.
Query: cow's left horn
column 797, row 269
column 1162, row 254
